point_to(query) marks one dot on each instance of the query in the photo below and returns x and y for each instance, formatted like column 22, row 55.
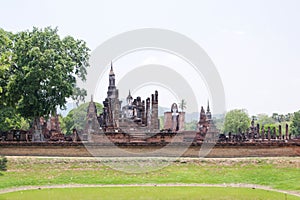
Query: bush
column 3, row 163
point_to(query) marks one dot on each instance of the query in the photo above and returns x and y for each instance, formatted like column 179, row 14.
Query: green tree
column 10, row 119
column 3, row 163
column 296, row 123
column 79, row 95
column 275, row 116
column 263, row 119
column 289, row 117
column 182, row 105
column 62, row 123
column 219, row 122
column 76, row 118
column 236, row 120
column 161, row 122
column 190, row 126
column 44, row 71
column 5, row 62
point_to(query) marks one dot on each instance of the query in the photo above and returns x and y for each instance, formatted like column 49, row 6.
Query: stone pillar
column 143, row 113
column 75, row 135
column 269, row 133
column 280, row 133
column 263, row 132
column 147, row 111
column 152, row 111
column 181, row 121
column 257, row 130
column 274, row 133
column 286, row 131
column 117, row 109
column 154, row 116
column 156, row 111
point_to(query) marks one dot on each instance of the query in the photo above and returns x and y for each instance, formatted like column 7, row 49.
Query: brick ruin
column 137, row 116
column 45, row 130
column 138, row 120
column 257, row 133
column 174, row 120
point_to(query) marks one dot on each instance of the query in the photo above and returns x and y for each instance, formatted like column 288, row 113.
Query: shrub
column 3, row 163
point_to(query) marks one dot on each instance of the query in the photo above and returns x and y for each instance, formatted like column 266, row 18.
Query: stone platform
column 82, row 150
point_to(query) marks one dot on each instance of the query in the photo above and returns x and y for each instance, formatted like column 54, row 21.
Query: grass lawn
column 278, row 173
column 147, row 193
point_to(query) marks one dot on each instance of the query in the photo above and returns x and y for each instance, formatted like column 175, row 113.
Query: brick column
column 263, row 132
column 280, row 133
column 269, row 133
column 286, row 131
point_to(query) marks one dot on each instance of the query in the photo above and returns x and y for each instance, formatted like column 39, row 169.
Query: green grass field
column 147, row 193
column 278, row 173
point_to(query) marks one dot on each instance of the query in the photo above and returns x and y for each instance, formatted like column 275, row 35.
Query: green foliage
column 296, row 123
column 289, row 117
column 236, row 120
column 76, row 118
column 272, row 126
column 190, row 126
column 5, row 62
column 62, row 124
column 219, row 122
column 3, row 163
column 161, row 122
column 281, row 117
column 10, row 119
column 44, row 71
column 274, row 121
column 79, row 95
column 264, row 119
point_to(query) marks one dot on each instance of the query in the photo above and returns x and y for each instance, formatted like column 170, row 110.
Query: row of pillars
column 280, row 137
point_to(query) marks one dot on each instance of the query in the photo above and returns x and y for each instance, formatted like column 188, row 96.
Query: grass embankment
column 278, row 173
column 148, row 193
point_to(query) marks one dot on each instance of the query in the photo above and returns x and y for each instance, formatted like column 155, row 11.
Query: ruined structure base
column 79, row 149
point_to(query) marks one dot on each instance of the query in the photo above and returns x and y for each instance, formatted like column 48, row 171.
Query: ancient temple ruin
column 174, row 120
column 204, row 120
column 136, row 116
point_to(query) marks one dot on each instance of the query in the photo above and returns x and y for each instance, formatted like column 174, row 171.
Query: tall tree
column 5, row 62
column 44, row 71
column 236, row 120
column 289, row 117
column 76, row 118
column 79, row 95
column 10, row 119
column 182, row 105
column 296, row 123
column 264, row 119
column 275, row 116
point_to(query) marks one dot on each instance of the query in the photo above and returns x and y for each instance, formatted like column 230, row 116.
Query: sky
column 254, row 44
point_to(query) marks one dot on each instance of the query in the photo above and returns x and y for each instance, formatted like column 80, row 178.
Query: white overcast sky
column 254, row 44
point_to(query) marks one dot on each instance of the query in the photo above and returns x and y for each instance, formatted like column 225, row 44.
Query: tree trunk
column 37, row 135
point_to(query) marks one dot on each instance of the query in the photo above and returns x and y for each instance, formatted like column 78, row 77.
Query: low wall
column 89, row 149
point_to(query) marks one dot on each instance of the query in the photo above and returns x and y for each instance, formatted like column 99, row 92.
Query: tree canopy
column 296, row 123
column 40, row 69
column 5, row 62
column 76, row 118
column 264, row 119
column 236, row 120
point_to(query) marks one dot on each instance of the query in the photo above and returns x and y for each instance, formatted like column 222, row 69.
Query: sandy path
column 241, row 185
